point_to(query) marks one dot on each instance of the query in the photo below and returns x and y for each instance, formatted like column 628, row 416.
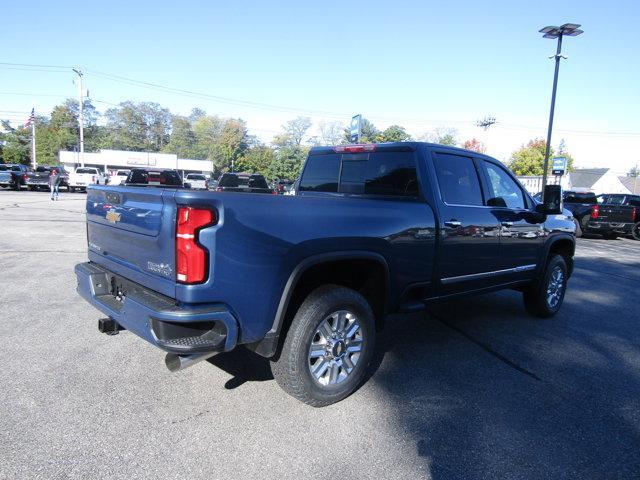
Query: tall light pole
column 80, row 115
column 569, row 30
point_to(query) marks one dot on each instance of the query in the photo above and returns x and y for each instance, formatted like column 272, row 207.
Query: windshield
column 122, row 173
column 91, row 171
column 195, row 176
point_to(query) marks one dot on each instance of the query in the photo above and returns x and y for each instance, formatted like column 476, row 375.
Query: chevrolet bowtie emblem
column 113, row 216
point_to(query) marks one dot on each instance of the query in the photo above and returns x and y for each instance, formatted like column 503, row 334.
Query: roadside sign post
column 558, row 168
column 354, row 130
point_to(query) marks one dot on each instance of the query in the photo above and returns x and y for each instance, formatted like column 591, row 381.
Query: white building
column 596, row 180
column 110, row 160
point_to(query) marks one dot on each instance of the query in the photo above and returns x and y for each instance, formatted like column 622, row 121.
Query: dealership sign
column 559, row 165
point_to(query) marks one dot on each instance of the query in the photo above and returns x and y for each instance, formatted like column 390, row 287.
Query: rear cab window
column 90, row 171
column 153, row 177
column 379, row 173
column 579, row 197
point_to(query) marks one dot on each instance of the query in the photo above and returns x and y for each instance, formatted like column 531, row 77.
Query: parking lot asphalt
column 472, row 389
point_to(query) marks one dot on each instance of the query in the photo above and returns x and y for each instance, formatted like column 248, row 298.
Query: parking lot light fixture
column 552, row 32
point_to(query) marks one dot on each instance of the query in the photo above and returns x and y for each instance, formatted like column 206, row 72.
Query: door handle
column 506, row 224
column 453, row 223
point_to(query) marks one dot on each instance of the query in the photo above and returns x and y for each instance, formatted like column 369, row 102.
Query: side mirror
column 551, row 200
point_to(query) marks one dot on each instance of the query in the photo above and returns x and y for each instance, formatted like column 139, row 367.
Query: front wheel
column 544, row 298
column 329, row 345
column 635, row 231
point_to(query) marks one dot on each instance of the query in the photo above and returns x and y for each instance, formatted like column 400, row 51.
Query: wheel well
column 566, row 249
column 366, row 276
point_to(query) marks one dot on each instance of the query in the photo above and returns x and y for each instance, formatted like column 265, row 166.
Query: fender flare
column 267, row 347
column 553, row 239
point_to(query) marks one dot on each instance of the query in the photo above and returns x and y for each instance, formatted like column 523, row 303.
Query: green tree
column 232, row 144
column 287, row 163
column 256, row 159
column 15, row 143
column 182, row 141
column 394, row 133
column 529, row 159
column 142, row 126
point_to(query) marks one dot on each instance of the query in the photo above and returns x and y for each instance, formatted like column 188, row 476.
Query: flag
column 31, row 119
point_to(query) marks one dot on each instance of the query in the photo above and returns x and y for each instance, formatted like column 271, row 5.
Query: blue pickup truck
column 307, row 280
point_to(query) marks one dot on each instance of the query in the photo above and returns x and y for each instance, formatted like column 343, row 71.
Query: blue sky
column 421, row 64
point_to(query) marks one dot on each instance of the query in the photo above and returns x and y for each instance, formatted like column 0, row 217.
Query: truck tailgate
column 616, row 213
column 131, row 231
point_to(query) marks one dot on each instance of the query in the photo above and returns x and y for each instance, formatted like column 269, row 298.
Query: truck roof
column 389, row 147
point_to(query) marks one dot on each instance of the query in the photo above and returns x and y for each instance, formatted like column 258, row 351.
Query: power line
column 34, row 65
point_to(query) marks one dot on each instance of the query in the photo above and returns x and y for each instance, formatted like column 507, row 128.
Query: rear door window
column 377, row 173
column 458, row 179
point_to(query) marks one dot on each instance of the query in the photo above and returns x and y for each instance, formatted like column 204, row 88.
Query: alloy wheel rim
column 555, row 287
column 335, row 348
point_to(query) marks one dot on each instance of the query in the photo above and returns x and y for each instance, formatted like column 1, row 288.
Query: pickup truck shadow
column 244, row 365
column 486, row 391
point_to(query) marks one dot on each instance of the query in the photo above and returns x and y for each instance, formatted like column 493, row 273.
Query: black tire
column 635, row 231
column 292, row 368
column 578, row 228
column 72, row 189
column 610, row 235
column 536, row 298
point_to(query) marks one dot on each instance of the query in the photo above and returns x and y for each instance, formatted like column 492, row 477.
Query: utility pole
column 485, row 123
column 80, row 115
column 568, row 29
column 33, row 143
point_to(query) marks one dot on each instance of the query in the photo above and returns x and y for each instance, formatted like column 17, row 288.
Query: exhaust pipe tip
column 175, row 362
column 172, row 361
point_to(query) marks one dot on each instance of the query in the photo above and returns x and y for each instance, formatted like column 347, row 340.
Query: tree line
column 147, row 126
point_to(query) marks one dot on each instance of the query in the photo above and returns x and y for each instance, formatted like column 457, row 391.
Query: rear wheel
column 330, row 342
column 544, row 298
column 635, row 231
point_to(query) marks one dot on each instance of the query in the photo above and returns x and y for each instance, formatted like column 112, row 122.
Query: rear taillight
column 24, row 176
column 369, row 147
column 191, row 257
column 634, row 214
column 595, row 211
